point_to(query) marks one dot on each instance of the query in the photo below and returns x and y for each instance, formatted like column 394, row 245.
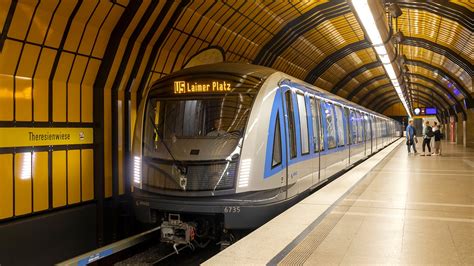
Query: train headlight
column 137, row 171
column 244, row 173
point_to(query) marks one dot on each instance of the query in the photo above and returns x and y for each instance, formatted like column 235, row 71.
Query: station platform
column 393, row 208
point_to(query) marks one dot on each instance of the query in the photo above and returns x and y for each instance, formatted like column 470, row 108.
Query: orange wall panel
column 6, row 98
column 59, row 178
column 73, row 176
column 41, row 100
column 87, row 174
column 21, row 19
column 6, row 186
column 59, row 87
column 23, row 103
column 40, row 181
column 63, row 12
column 23, row 183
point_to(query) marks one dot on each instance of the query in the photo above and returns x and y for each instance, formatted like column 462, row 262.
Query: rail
column 110, row 249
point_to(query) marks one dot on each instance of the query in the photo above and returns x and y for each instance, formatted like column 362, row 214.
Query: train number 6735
column 231, row 209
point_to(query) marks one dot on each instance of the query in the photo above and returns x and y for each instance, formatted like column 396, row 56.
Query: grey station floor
column 408, row 210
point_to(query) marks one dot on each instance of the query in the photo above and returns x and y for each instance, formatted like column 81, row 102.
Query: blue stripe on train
column 279, row 108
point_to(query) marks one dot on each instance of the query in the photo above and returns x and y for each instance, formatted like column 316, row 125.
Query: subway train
column 228, row 146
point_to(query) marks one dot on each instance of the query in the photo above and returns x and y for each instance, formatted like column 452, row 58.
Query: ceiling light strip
column 368, row 22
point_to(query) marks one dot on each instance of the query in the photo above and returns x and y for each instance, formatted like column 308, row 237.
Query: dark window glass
column 316, row 126
column 353, row 127
column 303, row 124
column 367, row 127
column 320, row 120
column 291, row 123
column 330, row 125
column 360, row 133
column 340, row 125
column 276, row 157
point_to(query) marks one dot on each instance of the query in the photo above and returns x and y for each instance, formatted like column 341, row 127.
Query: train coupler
column 176, row 232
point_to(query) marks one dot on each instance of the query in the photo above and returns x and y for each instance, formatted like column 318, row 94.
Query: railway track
column 144, row 249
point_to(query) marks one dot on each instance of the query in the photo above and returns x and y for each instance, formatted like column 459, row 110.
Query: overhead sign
column 44, row 136
column 184, row 87
column 431, row 110
column 425, row 111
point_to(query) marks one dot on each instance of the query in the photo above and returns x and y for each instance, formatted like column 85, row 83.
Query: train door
column 364, row 134
column 341, row 126
column 349, row 132
column 317, row 137
column 305, row 164
column 291, row 136
column 329, row 138
column 353, row 136
column 372, row 134
column 368, row 135
column 330, row 160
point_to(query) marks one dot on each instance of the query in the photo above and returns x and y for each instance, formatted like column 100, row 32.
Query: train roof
column 242, row 69
column 262, row 73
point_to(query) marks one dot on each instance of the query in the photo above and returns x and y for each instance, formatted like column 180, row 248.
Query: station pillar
column 459, row 129
column 470, row 128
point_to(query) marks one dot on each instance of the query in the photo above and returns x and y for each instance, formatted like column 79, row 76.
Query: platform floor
column 407, row 210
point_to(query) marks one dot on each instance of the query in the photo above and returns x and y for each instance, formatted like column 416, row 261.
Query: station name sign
column 44, row 136
column 185, row 87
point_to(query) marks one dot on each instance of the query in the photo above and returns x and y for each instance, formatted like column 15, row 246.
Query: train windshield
column 194, row 144
column 196, row 129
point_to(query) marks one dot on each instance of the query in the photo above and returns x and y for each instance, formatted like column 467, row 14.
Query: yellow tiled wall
column 49, row 60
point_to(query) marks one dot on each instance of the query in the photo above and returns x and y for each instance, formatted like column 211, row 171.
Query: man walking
column 411, row 136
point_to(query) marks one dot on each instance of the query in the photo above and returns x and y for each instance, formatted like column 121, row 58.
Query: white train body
column 295, row 138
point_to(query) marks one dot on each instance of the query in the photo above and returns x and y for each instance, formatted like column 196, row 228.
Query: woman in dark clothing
column 437, row 139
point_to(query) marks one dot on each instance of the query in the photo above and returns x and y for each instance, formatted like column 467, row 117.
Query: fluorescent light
column 244, row 173
column 25, row 169
column 368, row 22
column 137, row 170
column 367, row 19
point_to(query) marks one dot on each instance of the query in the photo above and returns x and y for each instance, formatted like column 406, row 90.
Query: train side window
column 347, row 124
column 330, row 125
column 340, row 125
column 353, row 127
column 320, row 120
column 367, row 127
column 276, row 156
column 291, row 123
column 303, row 123
column 316, row 125
column 360, row 130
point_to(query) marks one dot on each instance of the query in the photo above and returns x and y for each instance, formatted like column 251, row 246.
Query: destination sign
column 184, row 87
column 44, row 136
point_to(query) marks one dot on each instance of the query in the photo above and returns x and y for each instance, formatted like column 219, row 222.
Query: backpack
column 429, row 132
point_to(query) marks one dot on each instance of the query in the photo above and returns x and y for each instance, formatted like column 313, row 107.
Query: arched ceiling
column 320, row 42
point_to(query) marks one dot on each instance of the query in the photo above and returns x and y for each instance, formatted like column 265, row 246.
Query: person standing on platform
column 411, row 136
column 427, row 134
column 437, row 139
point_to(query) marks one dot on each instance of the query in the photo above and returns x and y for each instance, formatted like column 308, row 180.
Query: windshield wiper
column 181, row 169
